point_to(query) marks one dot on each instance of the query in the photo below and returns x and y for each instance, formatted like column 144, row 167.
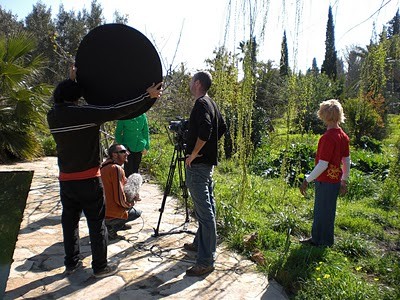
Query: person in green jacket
column 134, row 135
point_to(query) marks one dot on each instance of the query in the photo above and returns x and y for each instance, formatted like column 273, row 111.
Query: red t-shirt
column 332, row 147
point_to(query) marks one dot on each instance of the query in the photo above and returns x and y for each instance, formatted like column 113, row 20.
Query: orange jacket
column 113, row 178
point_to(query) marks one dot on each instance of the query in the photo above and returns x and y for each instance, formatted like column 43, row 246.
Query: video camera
column 180, row 128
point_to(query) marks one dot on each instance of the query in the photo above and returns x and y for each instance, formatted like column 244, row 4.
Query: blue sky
column 201, row 26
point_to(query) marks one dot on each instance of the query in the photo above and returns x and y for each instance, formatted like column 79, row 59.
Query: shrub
column 389, row 197
column 361, row 120
column 292, row 163
column 49, row 146
column 370, row 164
column 368, row 143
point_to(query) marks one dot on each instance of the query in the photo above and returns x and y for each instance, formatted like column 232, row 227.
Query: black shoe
column 198, row 270
column 190, row 247
column 107, row 271
column 70, row 270
column 112, row 235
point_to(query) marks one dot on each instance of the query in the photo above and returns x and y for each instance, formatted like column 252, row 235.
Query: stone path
column 149, row 267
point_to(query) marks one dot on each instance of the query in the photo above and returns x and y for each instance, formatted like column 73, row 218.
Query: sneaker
column 190, row 247
column 198, row 270
column 107, row 271
column 70, row 270
column 125, row 227
column 112, row 235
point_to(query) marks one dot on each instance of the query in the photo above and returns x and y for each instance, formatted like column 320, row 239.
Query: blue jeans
column 326, row 195
column 200, row 184
column 117, row 224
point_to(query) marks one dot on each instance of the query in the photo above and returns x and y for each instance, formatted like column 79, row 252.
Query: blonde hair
column 331, row 111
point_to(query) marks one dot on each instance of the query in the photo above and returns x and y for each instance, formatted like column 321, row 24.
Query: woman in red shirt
column 330, row 173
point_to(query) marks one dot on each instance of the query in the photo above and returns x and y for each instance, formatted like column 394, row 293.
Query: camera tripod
column 178, row 158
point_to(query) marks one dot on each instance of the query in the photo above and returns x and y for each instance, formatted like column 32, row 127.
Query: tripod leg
column 182, row 185
column 167, row 188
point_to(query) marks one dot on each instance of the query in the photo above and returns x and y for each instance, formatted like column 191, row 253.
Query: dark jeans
column 117, row 224
column 87, row 196
column 132, row 165
column 326, row 195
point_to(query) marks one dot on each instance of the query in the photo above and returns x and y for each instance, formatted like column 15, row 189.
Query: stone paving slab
column 149, row 267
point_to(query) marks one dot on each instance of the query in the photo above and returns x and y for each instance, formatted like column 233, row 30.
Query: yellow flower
column 317, row 268
column 318, row 279
column 376, row 279
column 326, row 276
column 320, row 262
column 358, row 268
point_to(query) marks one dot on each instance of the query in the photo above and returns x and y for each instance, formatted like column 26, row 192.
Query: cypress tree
column 314, row 68
column 284, row 63
column 329, row 65
column 394, row 25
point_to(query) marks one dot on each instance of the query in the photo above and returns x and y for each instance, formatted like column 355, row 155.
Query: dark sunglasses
column 121, row 151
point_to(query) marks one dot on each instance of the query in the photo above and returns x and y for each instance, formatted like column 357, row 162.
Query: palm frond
column 18, row 144
column 23, row 102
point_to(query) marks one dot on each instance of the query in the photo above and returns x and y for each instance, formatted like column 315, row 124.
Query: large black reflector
column 115, row 63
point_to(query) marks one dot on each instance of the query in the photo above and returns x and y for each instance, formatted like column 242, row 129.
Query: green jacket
column 133, row 133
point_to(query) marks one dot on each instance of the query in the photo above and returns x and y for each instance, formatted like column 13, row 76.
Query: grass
column 364, row 261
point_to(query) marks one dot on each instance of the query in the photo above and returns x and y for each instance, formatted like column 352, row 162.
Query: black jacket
column 75, row 129
column 206, row 123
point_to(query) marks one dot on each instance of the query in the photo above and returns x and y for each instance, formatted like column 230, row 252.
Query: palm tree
column 22, row 99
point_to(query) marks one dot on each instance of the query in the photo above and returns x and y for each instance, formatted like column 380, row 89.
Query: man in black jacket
column 206, row 127
column 75, row 129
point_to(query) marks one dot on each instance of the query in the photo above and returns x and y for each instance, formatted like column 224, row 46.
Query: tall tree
column 249, row 50
column 329, row 65
column 120, row 18
column 95, row 17
column 314, row 68
column 354, row 60
column 70, row 29
column 9, row 23
column 41, row 26
column 394, row 25
column 176, row 101
column 269, row 103
column 284, row 63
column 225, row 91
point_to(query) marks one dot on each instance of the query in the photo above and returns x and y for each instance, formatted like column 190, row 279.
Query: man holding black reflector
column 75, row 129
column 116, row 64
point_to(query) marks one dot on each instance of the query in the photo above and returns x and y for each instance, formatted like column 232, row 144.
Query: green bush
column 371, row 144
column 49, row 146
column 388, row 197
column 291, row 163
column 370, row 163
column 361, row 120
